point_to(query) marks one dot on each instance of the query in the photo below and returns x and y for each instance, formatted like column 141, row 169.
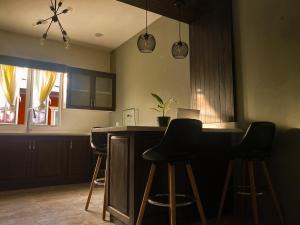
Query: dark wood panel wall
column 212, row 81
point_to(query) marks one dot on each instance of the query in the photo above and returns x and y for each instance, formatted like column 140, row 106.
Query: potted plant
column 163, row 107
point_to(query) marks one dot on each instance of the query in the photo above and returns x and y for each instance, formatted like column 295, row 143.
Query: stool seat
column 156, row 154
column 102, row 151
column 180, row 142
column 238, row 152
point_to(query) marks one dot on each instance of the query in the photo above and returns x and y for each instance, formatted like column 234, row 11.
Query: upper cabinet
column 87, row 89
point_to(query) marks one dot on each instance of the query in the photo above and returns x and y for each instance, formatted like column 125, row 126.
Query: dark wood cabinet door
column 48, row 158
column 119, row 170
column 79, row 159
column 14, row 159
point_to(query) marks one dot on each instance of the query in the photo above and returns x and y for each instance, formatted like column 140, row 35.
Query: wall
column 12, row 44
column 267, row 53
column 140, row 74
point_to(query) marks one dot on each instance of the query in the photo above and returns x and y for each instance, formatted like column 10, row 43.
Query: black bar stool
column 98, row 143
column 179, row 144
column 256, row 145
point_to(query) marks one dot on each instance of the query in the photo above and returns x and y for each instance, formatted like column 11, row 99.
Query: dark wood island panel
column 128, row 172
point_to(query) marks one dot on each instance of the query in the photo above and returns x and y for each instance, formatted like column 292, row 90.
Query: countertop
column 42, row 134
column 150, row 128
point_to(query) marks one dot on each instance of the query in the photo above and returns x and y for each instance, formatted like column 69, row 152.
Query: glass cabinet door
column 103, row 93
column 79, row 90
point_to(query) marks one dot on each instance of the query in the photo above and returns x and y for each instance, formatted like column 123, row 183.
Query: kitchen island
column 127, row 173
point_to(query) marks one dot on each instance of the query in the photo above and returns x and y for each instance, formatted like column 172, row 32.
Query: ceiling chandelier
column 55, row 8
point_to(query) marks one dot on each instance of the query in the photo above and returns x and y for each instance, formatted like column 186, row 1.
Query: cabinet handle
column 29, row 145
column 71, row 144
column 33, row 145
column 91, row 103
column 94, row 103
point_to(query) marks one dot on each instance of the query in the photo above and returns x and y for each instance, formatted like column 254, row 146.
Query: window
column 44, row 89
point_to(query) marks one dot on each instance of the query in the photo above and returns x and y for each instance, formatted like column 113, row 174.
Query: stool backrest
column 98, row 140
column 182, row 135
column 259, row 136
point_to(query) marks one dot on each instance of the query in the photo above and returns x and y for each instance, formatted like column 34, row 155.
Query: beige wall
column 28, row 47
column 140, row 74
column 267, row 44
column 267, row 47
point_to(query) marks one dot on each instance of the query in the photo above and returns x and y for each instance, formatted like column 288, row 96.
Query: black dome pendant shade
column 146, row 42
column 180, row 49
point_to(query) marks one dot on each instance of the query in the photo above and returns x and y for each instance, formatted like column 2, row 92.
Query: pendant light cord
column 146, row 16
column 179, row 12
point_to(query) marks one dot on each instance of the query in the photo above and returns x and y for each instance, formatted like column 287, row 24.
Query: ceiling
column 117, row 21
column 191, row 9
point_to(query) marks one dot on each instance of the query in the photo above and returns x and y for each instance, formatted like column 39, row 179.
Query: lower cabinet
column 14, row 160
column 33, row 161
column 79, row 159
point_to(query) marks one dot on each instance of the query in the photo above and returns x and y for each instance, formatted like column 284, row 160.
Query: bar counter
column 127, row 173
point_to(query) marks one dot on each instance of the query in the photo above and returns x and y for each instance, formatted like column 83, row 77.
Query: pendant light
column 180, row 49
column 146, row 42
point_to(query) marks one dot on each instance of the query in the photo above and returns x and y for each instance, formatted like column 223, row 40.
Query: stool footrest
column 99, row 181
column 163, row 200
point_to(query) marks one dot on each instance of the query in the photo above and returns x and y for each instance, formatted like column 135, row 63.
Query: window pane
column 45, row 95
column 13, row 84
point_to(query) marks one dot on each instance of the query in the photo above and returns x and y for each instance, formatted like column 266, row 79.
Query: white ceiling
column 115, row 20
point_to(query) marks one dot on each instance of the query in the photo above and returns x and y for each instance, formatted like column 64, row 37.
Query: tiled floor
column 59, row 205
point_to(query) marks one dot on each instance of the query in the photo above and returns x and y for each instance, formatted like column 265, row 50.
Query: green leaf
column 156, row 109
column 160, row 101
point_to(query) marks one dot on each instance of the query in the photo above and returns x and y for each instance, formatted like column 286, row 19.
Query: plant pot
column 163, row 121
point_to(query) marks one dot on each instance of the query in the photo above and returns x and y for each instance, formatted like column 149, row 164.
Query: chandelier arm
column 61, row 13
column 61, row 27
column 49, row 27
column 48, row 18
column 55, row 6
column 58, row 7
column 52, row 3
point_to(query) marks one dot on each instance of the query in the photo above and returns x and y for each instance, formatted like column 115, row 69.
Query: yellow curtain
column 47, row 82
column 8, row 83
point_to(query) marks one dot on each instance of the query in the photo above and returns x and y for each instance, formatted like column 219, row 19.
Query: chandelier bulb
column 52, row 7
column 60, row 3
column 42, row 41
column 69, row 9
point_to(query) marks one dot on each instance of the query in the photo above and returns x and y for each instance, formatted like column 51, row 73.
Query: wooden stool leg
column 96, row 171
column 253, row 192
column 106, row 182
column 270, row 185
column 146, row 194
column 172, row 194
column 196, row 193
column 227, row 179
